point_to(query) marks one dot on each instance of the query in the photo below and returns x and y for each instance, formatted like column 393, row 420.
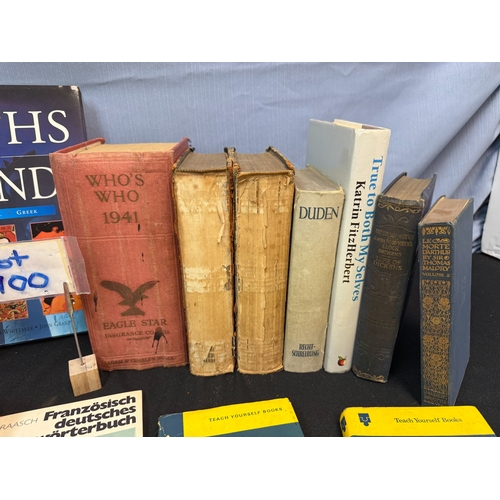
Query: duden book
column 117, row 415
column 204, row 223
column 445, row 263
column 264, row 189
column 271, row 418
column 117, row 200
column 35, row 121
column 317, row 214
column 390, row 262
column 353, row 155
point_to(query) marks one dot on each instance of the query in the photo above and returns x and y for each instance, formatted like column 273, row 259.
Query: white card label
column 30, row 269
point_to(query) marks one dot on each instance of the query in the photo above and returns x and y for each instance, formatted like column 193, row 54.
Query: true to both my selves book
column 353, row 155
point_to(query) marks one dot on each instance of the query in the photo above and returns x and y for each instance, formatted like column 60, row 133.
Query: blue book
column 445, row 265
column 35, row 121
column 272, row 418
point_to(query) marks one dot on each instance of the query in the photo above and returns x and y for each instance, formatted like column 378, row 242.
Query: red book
column 117, row 200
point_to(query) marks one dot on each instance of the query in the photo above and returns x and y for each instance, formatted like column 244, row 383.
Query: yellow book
column 272, row 418
column 414, row 421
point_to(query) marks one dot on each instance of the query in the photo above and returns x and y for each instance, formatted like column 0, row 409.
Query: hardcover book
column 118, row 415
column 117, row 200
column 445, row 255
column 204, row 222
column 390, row 260
column 354, row 155
column 317, row 213
column 414, row 421
column 35, row 121
column 272, row 418
column 264, row 190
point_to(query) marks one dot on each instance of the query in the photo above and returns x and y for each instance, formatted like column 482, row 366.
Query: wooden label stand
column 83, row 371
column 84, row 378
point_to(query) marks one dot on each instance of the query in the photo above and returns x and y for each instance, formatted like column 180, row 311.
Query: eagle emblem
column 130, row 298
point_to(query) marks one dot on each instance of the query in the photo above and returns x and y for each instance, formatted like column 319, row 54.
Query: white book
column 490, row 240
column 317, row 212
column 117, row 415
column 353, row 155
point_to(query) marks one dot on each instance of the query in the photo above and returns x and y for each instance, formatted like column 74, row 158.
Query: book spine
column 120, row 208
column 315, row 231
column 367, row 172
column 389, row 264
column 445, row 295
column 436, row 268
column 263, row 215
column 204, row 226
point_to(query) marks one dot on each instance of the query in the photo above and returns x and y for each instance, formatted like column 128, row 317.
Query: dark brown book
column 445, row 265
column 117, row 200
column 389, row 264
column 264, row 190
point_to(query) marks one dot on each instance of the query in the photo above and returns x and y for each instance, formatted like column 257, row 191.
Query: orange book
column 117, row 200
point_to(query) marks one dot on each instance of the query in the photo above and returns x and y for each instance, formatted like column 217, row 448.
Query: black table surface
column 35, row 374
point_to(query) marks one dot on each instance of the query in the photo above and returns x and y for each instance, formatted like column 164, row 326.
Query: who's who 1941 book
column 264, row 189
column 117, row 415
column 35, row 121
column 117, row 200
column 204, row 224
column 389, row 266
column 354, row 155
column 272, row 418
column 445, row 265
column 317, row 213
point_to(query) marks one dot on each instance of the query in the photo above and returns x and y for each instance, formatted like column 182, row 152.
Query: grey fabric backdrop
column 444, row 117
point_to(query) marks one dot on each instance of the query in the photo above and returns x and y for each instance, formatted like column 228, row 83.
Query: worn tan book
column 264, row 189
column 317, row 214
column 204, row 220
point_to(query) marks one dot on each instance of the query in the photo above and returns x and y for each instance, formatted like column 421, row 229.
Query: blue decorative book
column 445, row 264
column 35, row 121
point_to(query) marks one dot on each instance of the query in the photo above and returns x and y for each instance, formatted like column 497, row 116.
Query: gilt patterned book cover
column 445, row 274
column 35, row 121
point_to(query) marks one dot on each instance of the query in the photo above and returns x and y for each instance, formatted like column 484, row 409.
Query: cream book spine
column 316, row 221
column 204, row 224
column 264, row 190
column 354, row 155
